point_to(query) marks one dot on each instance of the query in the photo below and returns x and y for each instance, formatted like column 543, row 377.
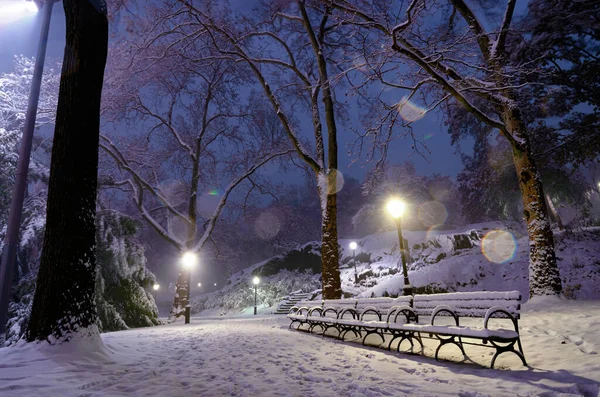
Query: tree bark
column 544, row 278
column 330, row 276
column 64, row 298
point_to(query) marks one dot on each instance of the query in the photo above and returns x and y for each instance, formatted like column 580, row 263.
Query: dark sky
column 22, row 36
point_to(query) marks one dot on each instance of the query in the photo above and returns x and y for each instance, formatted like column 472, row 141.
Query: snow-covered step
column 291, row 301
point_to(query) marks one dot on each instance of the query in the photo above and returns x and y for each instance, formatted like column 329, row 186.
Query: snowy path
column 260, row 357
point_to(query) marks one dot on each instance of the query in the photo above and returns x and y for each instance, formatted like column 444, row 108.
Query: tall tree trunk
column 544, row 276
column 332, row 288
column 182, row 295
column 64, row 298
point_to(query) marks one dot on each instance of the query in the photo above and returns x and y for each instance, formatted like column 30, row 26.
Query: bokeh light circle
column 337, row 177
column 267, row 225
column 410, row 111
column 499, row 246
column 432, row 213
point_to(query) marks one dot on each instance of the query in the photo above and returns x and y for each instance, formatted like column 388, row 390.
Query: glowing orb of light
column 499, row 246
column 267, row 225
column 395, row 207
column 12, row 11
column 155, row 287
column 335, row 181
column 255, row 280
column 31, row 6
column 432, row 213
column 353, row 245
column 409, row 111
column 189, row 260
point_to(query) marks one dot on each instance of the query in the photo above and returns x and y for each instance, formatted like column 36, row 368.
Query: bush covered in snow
column 122, row 279
column 270, row 292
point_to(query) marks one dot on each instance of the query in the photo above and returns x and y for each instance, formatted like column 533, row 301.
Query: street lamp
column 395, row 208
column 353, row 246
column 9, row 255
column 155, row 287
column 255, row 281
column 199, row 285
column 188, row 261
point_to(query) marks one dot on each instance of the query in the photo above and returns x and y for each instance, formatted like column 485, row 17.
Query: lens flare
column 432, row 213
column 499, row 246
column 267, row 225
column 409, row 111
column 337, row 177
column 213, row 192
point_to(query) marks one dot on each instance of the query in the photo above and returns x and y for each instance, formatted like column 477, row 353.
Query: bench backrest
column 468, row 304
column 383, row 305
column 340, row 303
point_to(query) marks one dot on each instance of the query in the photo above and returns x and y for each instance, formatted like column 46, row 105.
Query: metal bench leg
column 371, row 333
column 509, row 348
column 447, row 341
column 522, row 355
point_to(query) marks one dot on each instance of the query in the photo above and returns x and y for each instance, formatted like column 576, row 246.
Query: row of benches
column 401, row 318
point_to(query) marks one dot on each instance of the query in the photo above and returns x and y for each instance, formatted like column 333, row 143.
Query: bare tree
column 190, row 134
column 290, row 48
column 453, row 59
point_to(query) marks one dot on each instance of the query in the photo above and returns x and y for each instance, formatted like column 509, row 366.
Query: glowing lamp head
column 395, row 208
column 155, row 287
column 189, row 260
column 353, row 245
column 199, row 284
column 255, row 280
column 30, row 6
column 215, row 284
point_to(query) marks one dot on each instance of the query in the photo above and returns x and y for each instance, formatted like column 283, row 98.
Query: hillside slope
column 489, row 256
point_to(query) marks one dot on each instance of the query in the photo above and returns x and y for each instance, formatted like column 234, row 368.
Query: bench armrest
column 443, row 309
column 499, row 309
column 407, row 311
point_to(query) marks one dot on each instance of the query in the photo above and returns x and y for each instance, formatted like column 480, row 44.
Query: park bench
column 402, row 319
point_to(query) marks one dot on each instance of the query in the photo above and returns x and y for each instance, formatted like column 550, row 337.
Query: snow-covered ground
column 259, row 356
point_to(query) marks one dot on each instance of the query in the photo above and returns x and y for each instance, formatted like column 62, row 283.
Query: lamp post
column 155, row 287
column 199, row 285
column 9, row 255
column 395, row 208
column 353, row 246
column 188, row 261
column 255, row 281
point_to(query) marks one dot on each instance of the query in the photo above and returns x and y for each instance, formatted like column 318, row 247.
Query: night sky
column 22, row 36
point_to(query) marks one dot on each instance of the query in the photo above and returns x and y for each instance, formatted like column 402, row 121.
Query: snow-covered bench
column 485, row 305
column 364, row 317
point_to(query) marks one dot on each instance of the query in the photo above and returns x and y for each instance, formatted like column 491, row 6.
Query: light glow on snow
column 499, row 246
column 410, row 111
